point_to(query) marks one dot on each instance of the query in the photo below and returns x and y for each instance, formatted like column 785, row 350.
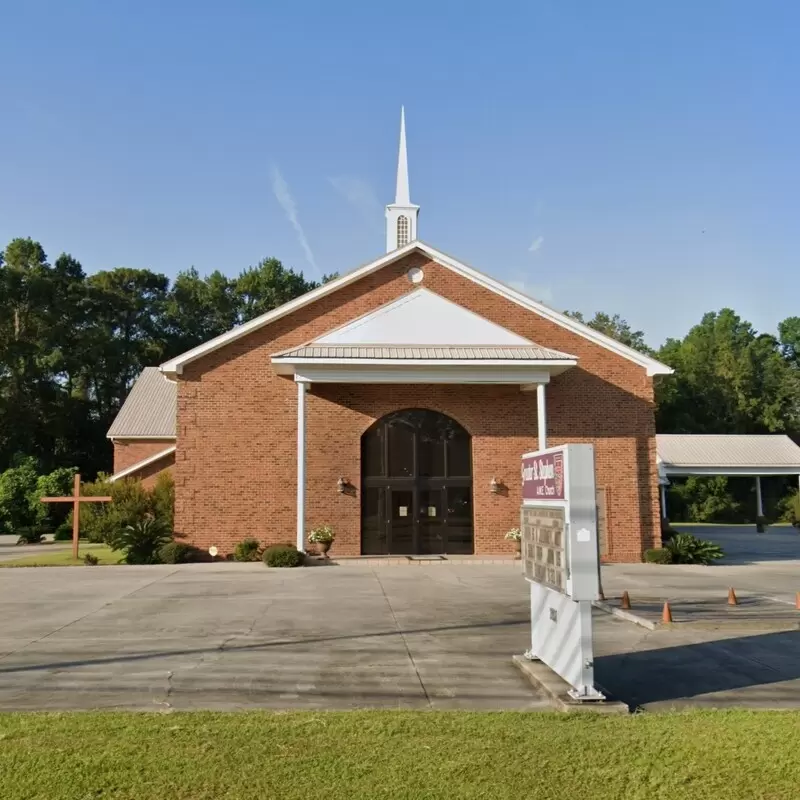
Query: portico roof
column 422, row 337
column 425, row 353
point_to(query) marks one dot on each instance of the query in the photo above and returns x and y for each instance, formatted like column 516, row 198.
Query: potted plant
column 322, row 537
column 515, row 535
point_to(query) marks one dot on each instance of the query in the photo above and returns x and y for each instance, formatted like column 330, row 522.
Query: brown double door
column 416, row 486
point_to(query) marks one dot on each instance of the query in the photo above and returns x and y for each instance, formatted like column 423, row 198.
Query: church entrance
column 416, row 485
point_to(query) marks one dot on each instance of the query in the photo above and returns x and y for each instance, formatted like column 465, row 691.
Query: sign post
column 560, row 559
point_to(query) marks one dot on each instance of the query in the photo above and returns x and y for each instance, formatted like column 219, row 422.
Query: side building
column 143, row 433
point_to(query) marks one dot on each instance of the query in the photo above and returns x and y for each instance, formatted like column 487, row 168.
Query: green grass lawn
column 63, row 558
column 735, row 755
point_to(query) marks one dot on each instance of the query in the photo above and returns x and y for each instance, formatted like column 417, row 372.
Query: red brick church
column 393, row 403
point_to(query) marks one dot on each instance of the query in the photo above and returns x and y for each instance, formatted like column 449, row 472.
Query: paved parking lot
column 230, row 636
column 239, row 635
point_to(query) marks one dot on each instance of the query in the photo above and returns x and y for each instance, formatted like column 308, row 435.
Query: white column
column 663, row 501
column 301, row 465
column 541, row 416
column 759, row 504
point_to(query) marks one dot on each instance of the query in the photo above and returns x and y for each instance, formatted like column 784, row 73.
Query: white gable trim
column 145, row 462
column 653, row 367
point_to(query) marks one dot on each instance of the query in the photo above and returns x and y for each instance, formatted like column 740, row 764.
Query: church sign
column 560, row 558
column 543, row 476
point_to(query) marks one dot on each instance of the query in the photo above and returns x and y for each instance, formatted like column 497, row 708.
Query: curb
column 540, row 676
column 628, row 616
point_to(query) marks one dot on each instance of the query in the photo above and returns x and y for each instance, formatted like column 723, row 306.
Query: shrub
column 16, row 486
column 687, row 549
column 142, row 541
column 90, row 559
column 104, row 522
column 658, row 555
column 178, row 553
column 21, row 492
column 283, row 555
column 63, row 532
column 794, row 510
column 247, row 550
column 131, row 503
column 29, row 535
column 162, row 499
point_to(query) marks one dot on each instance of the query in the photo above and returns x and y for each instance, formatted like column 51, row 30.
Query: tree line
column 71, row 345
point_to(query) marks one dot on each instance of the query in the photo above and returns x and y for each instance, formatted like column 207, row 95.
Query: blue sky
column 639, row 158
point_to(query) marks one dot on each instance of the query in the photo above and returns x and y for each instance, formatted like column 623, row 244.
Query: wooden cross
column 76, row 501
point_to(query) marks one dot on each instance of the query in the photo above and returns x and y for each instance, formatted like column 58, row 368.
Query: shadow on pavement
column 750, row 665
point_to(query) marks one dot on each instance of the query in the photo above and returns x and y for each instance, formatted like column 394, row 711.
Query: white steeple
column 401, row 216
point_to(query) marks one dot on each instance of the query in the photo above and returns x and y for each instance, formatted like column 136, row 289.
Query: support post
column 541, row 416
column 759, row 503
column 76, row 512
column 301, row 465
column 663, row 501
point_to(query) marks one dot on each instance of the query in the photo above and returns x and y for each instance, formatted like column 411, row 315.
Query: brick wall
column 235, row 467
column 128, row 452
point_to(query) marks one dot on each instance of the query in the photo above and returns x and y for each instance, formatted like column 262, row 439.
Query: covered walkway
column 733, row 455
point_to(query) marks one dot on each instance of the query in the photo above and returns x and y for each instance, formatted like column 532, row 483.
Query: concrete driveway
column 227, row 636
column 233, row 636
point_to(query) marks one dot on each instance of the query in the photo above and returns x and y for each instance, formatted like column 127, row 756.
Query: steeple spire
column 402, row 195
column 401, row 216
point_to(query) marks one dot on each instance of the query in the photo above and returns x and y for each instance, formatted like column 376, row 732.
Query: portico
column 420, row 339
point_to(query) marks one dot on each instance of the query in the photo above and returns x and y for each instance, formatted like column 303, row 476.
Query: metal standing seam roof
column 426, row 352
column 727, row 451
column 149, row 409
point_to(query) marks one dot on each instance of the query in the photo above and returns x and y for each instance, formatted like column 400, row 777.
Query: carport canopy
column 681, row 454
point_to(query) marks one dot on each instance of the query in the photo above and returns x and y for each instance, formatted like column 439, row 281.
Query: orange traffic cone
column 666, row 614
column 732, row 601
column 626, row 602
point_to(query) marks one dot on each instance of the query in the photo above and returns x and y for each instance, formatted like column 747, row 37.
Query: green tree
column 789, row 334
column 198, row 309
column 615, row 327
column 266, row 286
column 127, row 333
column 728, row 379
column 703, row 499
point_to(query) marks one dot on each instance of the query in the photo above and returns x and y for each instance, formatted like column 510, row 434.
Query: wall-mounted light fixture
column 494, row 486
column 341, row 485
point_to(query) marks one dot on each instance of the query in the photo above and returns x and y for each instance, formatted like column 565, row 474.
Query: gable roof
column 651, row 365
column 149, row 409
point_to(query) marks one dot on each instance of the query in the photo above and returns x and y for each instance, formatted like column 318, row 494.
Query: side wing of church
column 393, row 404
